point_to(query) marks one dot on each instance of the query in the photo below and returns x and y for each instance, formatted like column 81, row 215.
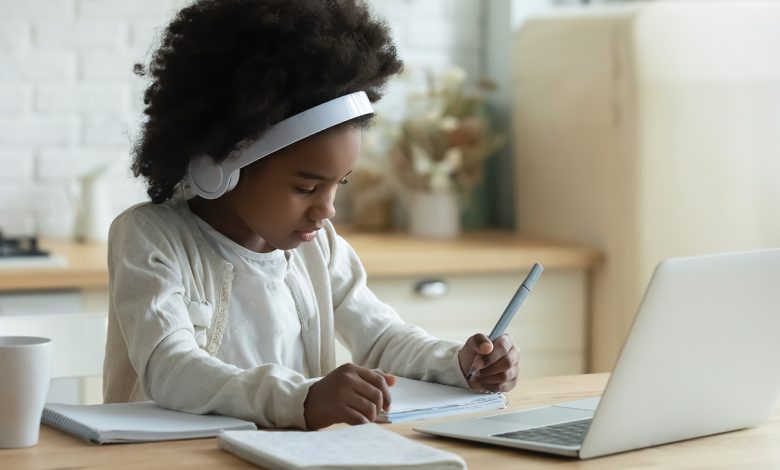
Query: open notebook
column 414, row 399
column 135, row 422
column 366, row 446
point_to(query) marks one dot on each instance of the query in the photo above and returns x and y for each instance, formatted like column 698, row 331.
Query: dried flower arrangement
column 437, row 149
column 442, row 145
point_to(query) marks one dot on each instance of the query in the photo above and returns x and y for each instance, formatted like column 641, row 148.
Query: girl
column 228, row 290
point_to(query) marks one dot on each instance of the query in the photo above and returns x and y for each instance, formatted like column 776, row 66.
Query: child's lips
column 308, row 234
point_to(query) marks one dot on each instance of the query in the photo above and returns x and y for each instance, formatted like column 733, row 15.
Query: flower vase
column 434, row 214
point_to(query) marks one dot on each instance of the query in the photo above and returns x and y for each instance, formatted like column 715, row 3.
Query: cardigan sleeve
column 147, row 302
column 374, row 333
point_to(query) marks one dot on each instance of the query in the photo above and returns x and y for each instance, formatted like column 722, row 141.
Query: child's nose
column 323, row 208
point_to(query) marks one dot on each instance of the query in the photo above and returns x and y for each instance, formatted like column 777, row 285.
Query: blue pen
column 514, row 305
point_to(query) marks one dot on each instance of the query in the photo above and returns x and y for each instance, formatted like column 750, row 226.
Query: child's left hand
column 497, row 363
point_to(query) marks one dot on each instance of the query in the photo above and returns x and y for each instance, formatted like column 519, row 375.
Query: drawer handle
column 431, row 288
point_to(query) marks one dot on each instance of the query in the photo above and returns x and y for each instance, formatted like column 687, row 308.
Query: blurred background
column 596, row 137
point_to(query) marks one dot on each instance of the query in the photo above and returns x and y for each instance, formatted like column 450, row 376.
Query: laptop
column 701, row 358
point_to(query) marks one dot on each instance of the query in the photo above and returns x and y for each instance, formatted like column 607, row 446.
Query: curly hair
column 226, row 70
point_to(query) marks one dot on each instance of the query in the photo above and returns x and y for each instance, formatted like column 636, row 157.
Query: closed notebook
column 135, row 422
column 366, row 446
column 414, row 399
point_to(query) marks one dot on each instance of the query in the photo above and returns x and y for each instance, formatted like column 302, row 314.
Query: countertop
column 383, row 254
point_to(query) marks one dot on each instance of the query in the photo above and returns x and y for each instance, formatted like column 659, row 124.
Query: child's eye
column 304, row 190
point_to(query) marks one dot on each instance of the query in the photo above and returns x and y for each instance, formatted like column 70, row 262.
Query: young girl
column 229, row 289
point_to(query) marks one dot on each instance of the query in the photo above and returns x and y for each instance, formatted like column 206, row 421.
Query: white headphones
column 211, row 180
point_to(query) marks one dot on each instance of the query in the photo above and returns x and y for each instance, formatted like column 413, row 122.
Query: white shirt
column 264, row 325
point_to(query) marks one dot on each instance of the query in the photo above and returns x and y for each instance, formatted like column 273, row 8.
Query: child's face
column 284, row 199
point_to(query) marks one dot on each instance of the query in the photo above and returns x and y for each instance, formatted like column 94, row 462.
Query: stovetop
column 16, row 247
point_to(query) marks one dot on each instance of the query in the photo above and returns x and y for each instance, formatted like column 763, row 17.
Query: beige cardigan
column 169, row 302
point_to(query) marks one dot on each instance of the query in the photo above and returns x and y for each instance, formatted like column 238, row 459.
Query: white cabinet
column 549, row 328
column 647, row 132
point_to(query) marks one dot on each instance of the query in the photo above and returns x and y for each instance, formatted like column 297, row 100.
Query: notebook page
column 409, row 394
column 362, row 446
column 143, row 417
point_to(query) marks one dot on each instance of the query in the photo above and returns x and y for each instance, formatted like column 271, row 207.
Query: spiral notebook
column 415, row 399
column 135, row 422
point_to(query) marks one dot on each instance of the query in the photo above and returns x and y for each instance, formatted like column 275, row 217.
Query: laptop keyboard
column 564, row 434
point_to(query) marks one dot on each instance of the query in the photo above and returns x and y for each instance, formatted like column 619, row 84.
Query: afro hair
column 227, row 70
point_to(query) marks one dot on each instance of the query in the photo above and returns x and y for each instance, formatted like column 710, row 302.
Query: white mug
column 25, row 371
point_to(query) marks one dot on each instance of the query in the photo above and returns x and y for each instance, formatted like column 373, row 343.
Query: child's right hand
column 350, row 394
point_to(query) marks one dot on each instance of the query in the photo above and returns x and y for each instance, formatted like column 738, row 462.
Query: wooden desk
column 752, row 448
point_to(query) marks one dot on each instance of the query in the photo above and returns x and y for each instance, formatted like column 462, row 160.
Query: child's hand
column 350, row 394
column 496, row 363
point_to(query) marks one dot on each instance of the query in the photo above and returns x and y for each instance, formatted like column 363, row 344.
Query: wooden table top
column 383, row 255
column 757, row 447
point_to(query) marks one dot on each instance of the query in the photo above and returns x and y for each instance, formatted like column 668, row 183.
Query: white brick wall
column 15, row 36
column 20, row 67
column 69, row 100
column 13, row 99
column 81, row 35
column 37, row 9
column 33, row 131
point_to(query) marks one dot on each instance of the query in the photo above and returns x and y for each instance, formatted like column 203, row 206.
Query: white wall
column 69, row 101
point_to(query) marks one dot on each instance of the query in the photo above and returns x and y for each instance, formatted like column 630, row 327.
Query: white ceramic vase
column 93, row 214
column 434, row 214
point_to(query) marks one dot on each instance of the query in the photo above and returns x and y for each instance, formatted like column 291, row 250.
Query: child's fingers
column 367, row 393
column 473, row 350
column 478, row 344
column 501, row 347
column 390, row 379
column 353, row 416
column 376, row 380
column 500, row 376
column 509, row 361
column 365, row 406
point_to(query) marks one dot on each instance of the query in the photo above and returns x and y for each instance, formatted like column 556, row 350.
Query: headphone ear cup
column 205, row 176
column 233, row 180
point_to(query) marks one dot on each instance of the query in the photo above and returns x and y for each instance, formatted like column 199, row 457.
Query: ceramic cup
column 25, row 371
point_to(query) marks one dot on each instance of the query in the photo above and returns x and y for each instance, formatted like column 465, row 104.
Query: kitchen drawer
column 549, row 328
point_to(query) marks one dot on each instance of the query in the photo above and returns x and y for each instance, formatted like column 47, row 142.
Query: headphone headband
column 211, row 180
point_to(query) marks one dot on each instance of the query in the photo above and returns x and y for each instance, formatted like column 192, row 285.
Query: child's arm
column 183, row 377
